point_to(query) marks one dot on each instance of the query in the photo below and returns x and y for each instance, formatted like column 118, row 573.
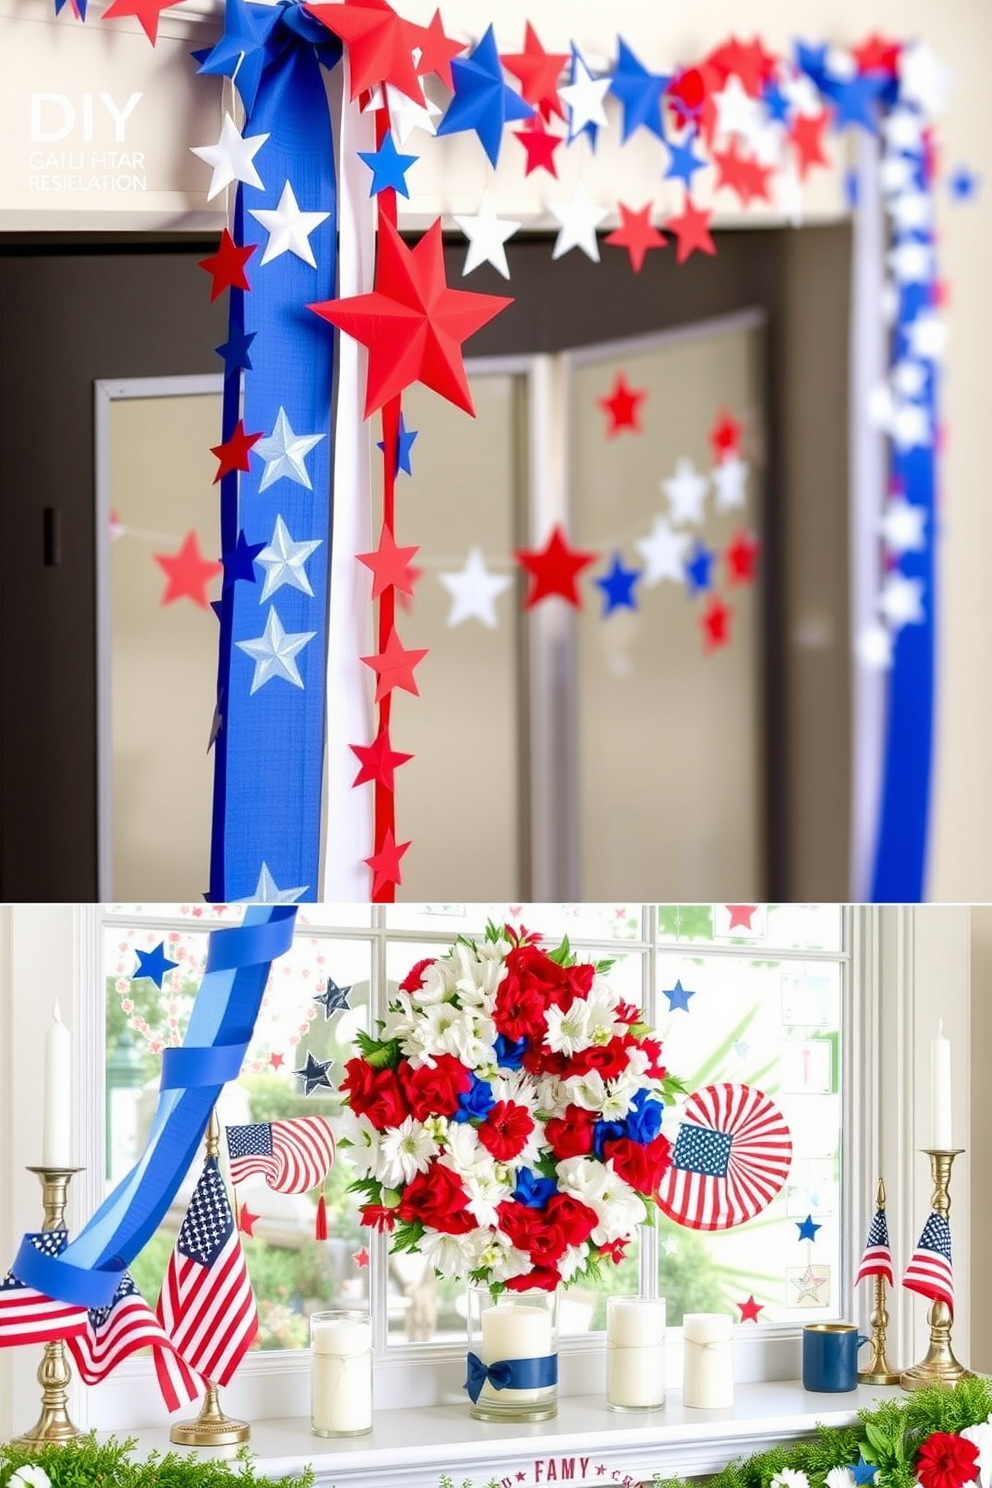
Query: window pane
column 809, row 927
column 577, row 921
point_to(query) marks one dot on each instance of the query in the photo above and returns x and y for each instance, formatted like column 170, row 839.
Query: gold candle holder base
column 939, row 1367
column 212, row 1428
column 54, row 1371
column 879, row 1371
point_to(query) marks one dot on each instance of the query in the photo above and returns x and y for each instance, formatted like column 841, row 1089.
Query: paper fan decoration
column 731, row 1157
column 292, row 1156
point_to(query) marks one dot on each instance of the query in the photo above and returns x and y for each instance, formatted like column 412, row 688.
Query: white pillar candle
column 708, row 1373
column 56, row 1125
column 515, row 1332
column 635, row 1353
column 341, row 1374
column 940, row 1091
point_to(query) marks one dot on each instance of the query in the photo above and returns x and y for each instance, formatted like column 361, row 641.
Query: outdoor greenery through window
column 742, row 996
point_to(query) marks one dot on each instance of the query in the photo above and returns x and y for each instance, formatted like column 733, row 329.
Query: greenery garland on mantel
column 88, row 1463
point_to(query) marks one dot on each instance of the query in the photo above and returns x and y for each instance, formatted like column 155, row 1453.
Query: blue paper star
column 404, row 444
column 240, row 563
column 242, row 47
column 807, row 1228
column 483, row 100
column 698, row 570
column 683, row 165
column 963, row 184
column 314, row 1074
column 235, row 351
column 813, row 61
column 618, row 586
column 333, row 999
column 640, row 93
column 678, row 997
column 775, row 101
column 153, row 964
column 388, row 167
column 81, row 5
column 857, row 100
column 864, row 1472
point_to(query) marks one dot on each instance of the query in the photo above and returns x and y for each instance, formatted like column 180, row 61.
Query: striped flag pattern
column 929, row 1271
column 27, row 1316
column 292, row 1156
column 877, row 1259
column 206, row 1305
column 731, row 1156
column 120, row 1329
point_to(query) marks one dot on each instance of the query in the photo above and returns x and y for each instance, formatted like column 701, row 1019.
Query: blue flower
column 510, row 1052
column 532, row 1190
column 644, row 1118
column 606, row 1131
column 476, row 1101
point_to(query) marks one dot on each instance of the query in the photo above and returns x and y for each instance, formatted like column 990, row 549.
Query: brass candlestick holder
column 879, row 1371
column 212, row 1428
column 54, row 1371
column 939, row 1367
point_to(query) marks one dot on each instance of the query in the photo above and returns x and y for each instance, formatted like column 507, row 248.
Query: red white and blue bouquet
column 506, row 1121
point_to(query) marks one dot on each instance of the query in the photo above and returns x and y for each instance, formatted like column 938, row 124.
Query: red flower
column 571, row 1134
column 519, row 1012
column 414, row 979
column 518, row 1222
column 434, row 1092
column 438, row 1199
column 643, row 1167
column 652, row 1048
column 539, row 1061
column 547, row 1245
column 378, row 1216
column 628, row 1012
column 538, row 1280
column 615, row 1249
column 375, row 1093
column 946, row 1461
column 505, row 1130
column 576, row 1219
column 610, row 1059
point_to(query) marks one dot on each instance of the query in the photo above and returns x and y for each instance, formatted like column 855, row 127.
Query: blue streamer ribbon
column 221, row 1024
column 510, row 1374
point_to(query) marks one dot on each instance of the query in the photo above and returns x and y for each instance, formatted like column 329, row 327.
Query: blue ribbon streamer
column 220, row 1028
column 510, row 1374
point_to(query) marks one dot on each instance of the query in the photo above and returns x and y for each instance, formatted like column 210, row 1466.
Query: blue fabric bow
column 510, row 1374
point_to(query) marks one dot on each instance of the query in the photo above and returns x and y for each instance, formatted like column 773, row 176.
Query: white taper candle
column 940, row 1091
column 56, row 1125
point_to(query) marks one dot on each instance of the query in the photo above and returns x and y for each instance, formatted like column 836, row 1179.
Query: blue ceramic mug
column 830, row 1356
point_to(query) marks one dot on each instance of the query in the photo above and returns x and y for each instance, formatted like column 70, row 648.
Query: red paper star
column 234, row 453
column 742, row 173
column 636, row 234
column 750, row 1310
column 725, row 436
column 394, row 667
column 878, row 55
column 390, row 565
column 247, row 1221
column 554, row 569
column 277, row 1061
column 227, row 265
column 360, row 1258
column 385, row 864
column 406, row 600
column 412, row 323
column 378, row 760
column 687, row 94
column 740, row 914
column 380, row 44
column 188, row 572
column 750, row 62
column 622, row 406
column 742, row 558
column 715, row 624
column 437, row 50
column 540, row 145
column 692, row 231
column 538, row 73
column 807, row 136
column 147, row 11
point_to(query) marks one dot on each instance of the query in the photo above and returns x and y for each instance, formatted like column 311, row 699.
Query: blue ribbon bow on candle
column 510, row 1374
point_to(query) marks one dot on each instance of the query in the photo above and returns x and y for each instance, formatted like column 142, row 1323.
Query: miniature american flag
column 929, row 1270
column 120, row 1329
column 27, row 1316
column 207, row 1306
column 292, row 1156
column 877, row 1259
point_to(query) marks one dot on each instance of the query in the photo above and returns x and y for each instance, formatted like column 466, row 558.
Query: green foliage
column 379, row 1053
column 690, row 1279
column 83, row 1463
column 687, row 921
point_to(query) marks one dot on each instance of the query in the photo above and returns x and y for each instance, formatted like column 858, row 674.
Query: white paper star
column 283, row 561
column 903, row 130
column 801, row 93
column 911, row 426
column 267, row 891
column 686, row 492
column 288, row 228
column 927, row 336
column 923, row 78
column 486, row 235
column 911, row 262
column 736, row 111
column 273, row 652
column 896, row 174
column 911, row 211
column 578, row 220
column 663, row 551
column 902, row 526
column 767, row 141
column 406, row 115
column 730, row 482
column 873, row 648
column 901, row 600
column 231, row 157
column 584, row 98
column 474, row 591
column 909, row 378
column 284, row 453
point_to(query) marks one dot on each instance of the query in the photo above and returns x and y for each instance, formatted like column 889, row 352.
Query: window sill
column 586, row 1444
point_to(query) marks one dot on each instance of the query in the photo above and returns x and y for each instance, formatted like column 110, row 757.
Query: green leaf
column 378, row 1053
column 561, row 955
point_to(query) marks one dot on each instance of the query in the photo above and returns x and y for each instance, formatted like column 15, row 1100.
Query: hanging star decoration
column 314, row 1074
column 807, row 1228
column 483, row 100
column 267, row 891
column 539, row 145
column 274, row 652
column 333, row 999
column 235, row 452
column 380, row 44
column 487, row 236
column 276, row 1060
column 474, row 591
column 715, row 624
column 405, row 440
column 284, row 562
column 678, row 997
column 239, row 563
column 148, row 13
column 618, row 586
column 231, row 158
column 578, row 219
column 584, row 96
column 538, row 72
column 742, row 557
column 388, row 167
column 640, row 93
column 808, row 1285
column 226, row 267
column 437, row 51
column 622, row 406
column 390, row 565
column 288, row 228
column 188, row 572
column 699, row 568
column 664, row 552
column 153, row 965
column 636, row 234
column 385, row 864
column 284, row 452
column 741, row 916
column 360, row 1258
column 247, row 1220
column 378, row 760
column 749, row 1310
column 554, row 569
column 691, row 230
column 394, row 667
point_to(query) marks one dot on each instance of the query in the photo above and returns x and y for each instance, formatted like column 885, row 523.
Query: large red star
column 742, row 173
column 750, row 62
column 622, row 406
column 725, row 436
column 538, row 73
column 687, row 94
column 878, row 55
column 740, row 914
column 147, row 11
column 378, row 760
column 380, row 44
column 715, row 624
column 247, row 1221
column 390, row 565
column 394, row 667
column 234, row 453
column 188, row 572
column 227, row 265
column 742, row 558
column 636, row 234
column 554, row 569
column 412, row 323
column 540, row 145
column 692, row 230
column 750, row 1310
column 807, row 136
column 437, row 50
column 385, row 864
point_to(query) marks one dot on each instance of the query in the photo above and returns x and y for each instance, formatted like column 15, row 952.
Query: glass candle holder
column 708, row 1377
column 635, row 1353
column 512, row 1355
column 341, row 1373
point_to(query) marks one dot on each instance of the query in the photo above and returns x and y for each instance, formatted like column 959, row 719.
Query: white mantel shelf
column 586, row 1444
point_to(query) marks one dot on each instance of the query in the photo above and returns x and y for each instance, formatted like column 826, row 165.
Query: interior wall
column 981, row 1132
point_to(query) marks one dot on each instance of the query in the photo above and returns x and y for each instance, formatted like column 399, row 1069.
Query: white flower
column 602, row 1005
column 518, row 1087
column 587, row 1091
column 450, row 1255
column 789, row 1477
column 438, row 984
column 405, row 1151
column 478, row 974
column 569, row 1029
column 616, row 1206
column 619, row 1097
column 503, row 1260
column 980, row 1436
column 840, row 1477
column 365, row 1140
column 30, row 1476
column 572, row 1262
